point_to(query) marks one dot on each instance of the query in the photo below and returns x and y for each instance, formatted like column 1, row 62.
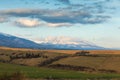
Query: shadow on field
column 81, row 68
column 14, row 76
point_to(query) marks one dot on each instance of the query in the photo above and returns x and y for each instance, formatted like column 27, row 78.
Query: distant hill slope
column 16, row 42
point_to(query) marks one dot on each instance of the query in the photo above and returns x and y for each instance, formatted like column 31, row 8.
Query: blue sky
column 96, row 21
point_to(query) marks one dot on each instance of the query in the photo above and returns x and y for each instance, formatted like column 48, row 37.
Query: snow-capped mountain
column 67, row 43
column 48, row 43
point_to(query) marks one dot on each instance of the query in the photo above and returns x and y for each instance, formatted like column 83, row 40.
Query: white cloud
column 24, row 22
column 3, row 19
column 29, row 23
column 58, row 24
column 64, row 15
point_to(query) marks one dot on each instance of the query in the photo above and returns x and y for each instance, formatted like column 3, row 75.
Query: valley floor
column 46, row 73
column 60, row 64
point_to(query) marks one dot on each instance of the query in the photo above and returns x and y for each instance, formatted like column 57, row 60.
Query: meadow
column 44, row 73
column 60, row 64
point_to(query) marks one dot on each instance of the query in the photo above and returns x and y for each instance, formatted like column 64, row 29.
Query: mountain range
column 17, row 42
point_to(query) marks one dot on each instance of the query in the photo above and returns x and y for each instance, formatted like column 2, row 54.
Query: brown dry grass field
column 105, row 60
column 98, row 61
column 67, row 51
column 17, row 49
column 91, row 51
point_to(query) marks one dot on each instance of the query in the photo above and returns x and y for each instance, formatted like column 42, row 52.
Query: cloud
column 31, row 23
column 24, row 22
column 65, row 1
column 56, row 16
column 91, row 13
column 58, row 24
column 3, row 19
column 55, row 2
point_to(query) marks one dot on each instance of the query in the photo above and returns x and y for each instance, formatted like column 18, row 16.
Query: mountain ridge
column 17, row 42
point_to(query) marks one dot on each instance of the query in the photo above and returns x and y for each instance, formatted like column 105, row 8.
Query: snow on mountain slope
column 68, row 43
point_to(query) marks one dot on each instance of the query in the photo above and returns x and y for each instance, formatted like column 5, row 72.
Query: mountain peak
column 63, row 40
column 67, row 42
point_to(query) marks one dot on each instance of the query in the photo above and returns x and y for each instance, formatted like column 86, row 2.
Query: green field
column 35, row 72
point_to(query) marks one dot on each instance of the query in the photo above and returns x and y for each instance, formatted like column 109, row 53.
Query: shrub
column 82, row 53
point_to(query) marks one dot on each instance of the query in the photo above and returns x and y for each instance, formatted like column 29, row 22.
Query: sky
column 95, row 21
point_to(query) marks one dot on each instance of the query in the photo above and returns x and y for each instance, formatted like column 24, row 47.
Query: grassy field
column 104, row 62
column 60, row 63
column 35, row 72
column 65, row 51
column 91, row 51
column 32, row 61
